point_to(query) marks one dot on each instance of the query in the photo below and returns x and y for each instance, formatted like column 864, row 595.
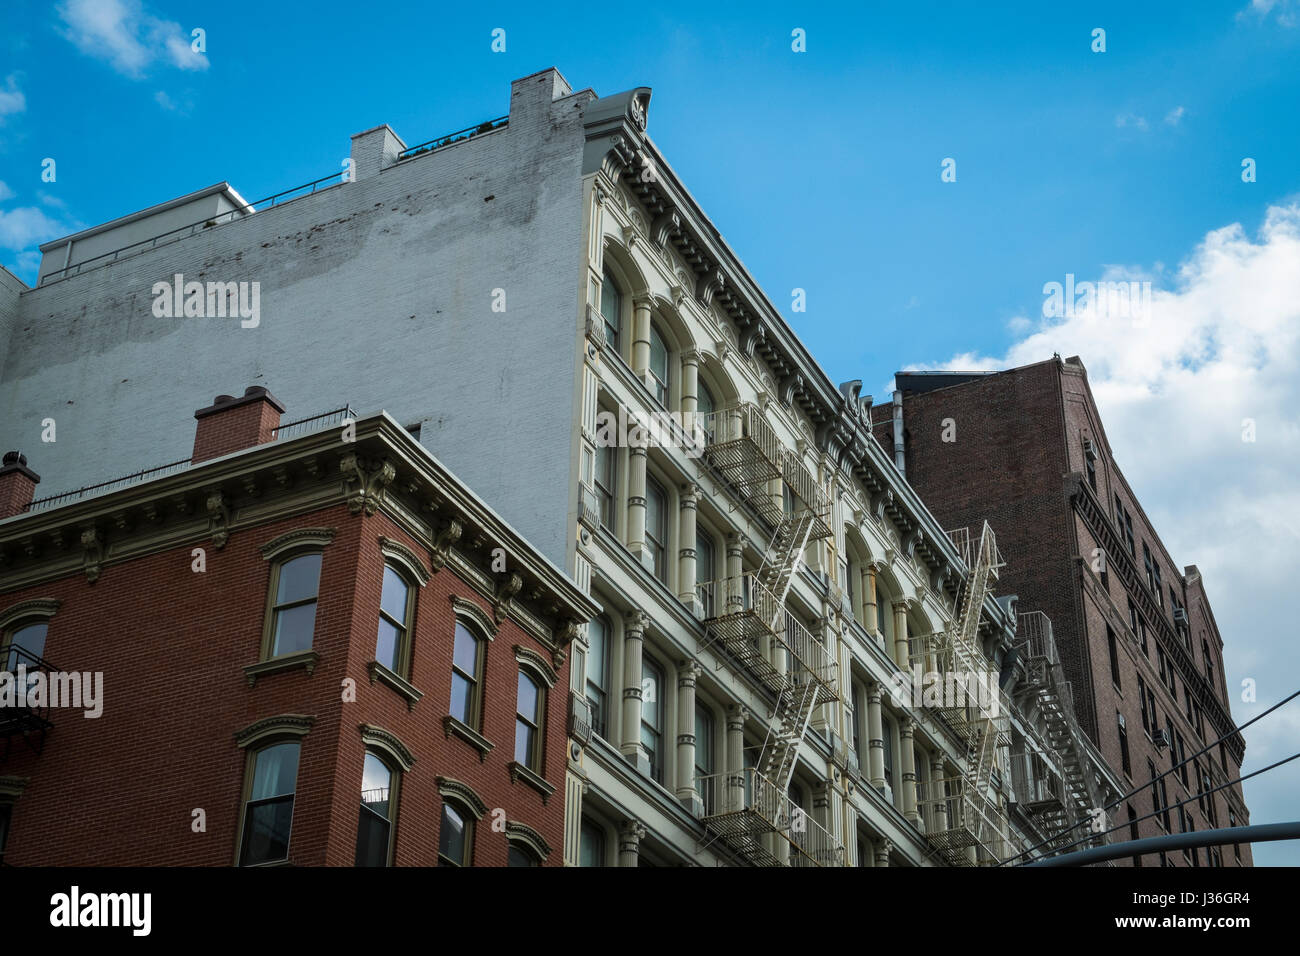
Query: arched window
column 518, row 856
column 705, row 407
column 598, row 634
column 658, row 366
column 294, row 586
column 268, row 804
column 466, row 676
column 24, row 646
column 379, row 786
column 706, row 569
column 455, row 836
column 656, row 526
column 611, row 309
column 529, row 709
column 396, row 608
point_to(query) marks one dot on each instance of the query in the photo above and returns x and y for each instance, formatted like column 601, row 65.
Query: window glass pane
column 453, row 836
column 518, row 857
column 26, row 644
column 610, row 308
column 299, row 579
column 528, row 698
column 598, row 637
column 374, row 824
column 461, row 699
column 275, row 771
column 387, row 645
column 703, row 557
column 266, row 831
column 465, row 655
column 659, row 365
column 591, row 850
column 704, row 403
column 393, row 600
column 376, row 779
column 293, row 629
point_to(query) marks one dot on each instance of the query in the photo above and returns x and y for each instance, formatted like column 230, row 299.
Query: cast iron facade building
column 1136, row 634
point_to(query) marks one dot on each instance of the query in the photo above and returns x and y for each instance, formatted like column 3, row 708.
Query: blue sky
column 822, row 169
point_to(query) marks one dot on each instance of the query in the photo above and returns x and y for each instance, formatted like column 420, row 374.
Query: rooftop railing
column 312, row 423
column 144, row 245
column 469, row 132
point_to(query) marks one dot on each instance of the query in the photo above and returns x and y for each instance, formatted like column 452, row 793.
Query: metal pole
column 1261, row 833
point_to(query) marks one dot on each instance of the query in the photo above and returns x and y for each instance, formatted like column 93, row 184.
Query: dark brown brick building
column 312, row 645
column 1026, row 448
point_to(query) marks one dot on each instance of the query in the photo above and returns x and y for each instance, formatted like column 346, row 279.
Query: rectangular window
column 528, row 723
column 378, row 810
column 1133, row 833
column 888, row 734
column 604, row 480
column 652, row 716
column 705, row 571
column 656, row 526
column 293, row 607
column 1114, row 656
column 1123, row 745
column 1142, row 703
column 591, row 850
column 598, row 673
column 1152, row 585
column 268, row 807
column 1092, row 471
column 1182, row 759
column 704, row 761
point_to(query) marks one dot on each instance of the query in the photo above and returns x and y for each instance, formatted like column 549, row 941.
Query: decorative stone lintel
column 296, row 725
column 285, row 662
column 388, row 742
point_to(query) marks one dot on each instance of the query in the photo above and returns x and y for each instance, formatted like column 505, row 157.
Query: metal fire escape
column 747, row 617
column 963, row 819
column 1063, row 735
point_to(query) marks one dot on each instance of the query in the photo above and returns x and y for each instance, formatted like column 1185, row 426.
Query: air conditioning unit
column 1180, row 616
column 1089, row 449
column 579, row 718
column 1161, row 738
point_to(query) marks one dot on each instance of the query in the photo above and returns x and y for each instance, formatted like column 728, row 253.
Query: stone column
column 869, row 611
column 641, row 337
column 906, row 728
column 686, row 553
column 735, row 590
column 688, row 671
column 634, row 625
column 940, row 821
column 900, row 635
column 736, row 717
column 876, row 736
column 636, row 511
column 629, row 842
column 690, row 387
column 882, row 850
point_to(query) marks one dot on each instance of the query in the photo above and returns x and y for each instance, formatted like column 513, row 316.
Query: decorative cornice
column 290, row 725
column 517, row 832
column 507, row 588
column 536, row 663
column 462, row 793
column 466, row 608
column 37, row 607
column 406, row 557
column 12, row 786
column 372, row 479
column 388, row 742
column 299, row 537
column 442, row 544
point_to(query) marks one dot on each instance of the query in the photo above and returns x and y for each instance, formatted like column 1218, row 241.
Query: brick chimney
column 230, row 424
column 17, row 484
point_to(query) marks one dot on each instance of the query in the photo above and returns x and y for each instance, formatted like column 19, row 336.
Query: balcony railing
column 957, row 819
column 459, row 136
column 20, row 717
column 762, row 824
column 740, row 612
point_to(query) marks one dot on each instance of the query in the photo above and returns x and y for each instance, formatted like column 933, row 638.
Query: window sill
column 378, row 672
column 519, row 772
column 450, row 725
column 285, row 662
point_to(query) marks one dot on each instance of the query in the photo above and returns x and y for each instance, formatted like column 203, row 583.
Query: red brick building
column 1026, row 448
column 312, row 646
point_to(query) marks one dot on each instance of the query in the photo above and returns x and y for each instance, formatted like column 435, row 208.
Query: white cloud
column 1286, row 11
column 1221, row 344
column 27, row 226
column 5, row 191
column 128, row 37
column 1131, row 121
column 12, row 99
column 1175, row 115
